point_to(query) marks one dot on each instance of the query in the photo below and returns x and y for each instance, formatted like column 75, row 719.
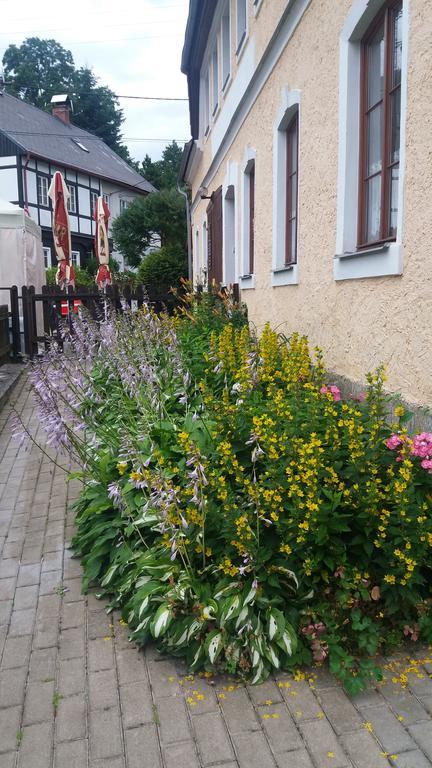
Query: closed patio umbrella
column 59, row 195
column 101, row 216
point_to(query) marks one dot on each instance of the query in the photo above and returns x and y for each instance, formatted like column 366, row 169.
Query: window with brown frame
column 292, row 134
column 251, row 178
column 381, row 74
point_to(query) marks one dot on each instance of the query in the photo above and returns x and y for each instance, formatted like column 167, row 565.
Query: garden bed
column 237, row 510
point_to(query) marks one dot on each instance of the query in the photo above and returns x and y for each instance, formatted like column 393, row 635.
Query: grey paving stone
column 12, row 685
column 71, row 754
column 363, row 750
column 16, row 652
column 36, row 746
column 26, row 597
column 212, row 738
column 71, row 718
column 280, row 729
column 71, row 677
column 42, row 664
column 421, row 684
column 9, row 727
column 267, row 691
column 130, row 666
column 299, row 759
column 100, row 654
column 321, row 740
column 21, row 622
column 74, row 590
column 46, row 634
column 369, row 698
column 49, row 582
column 389, row 731
column 301, row 702
column 7, row 760
column 199, row 687
column 9, row 568
column 31, row 555
column 173, row 721
column 427, row 703
column 136, row 704
column 414, row 759
column 105, row 738
column 7, row 588
column 72, row 615
column 5, row 611
column 38, row 703
column 110, row 762
column 253, row 751
column 102, row 689
column 406, row 706
column 181, row 756
column 29, row 575
column 97, row 624
column 71, row 643
column 48, row 607
column 422, row 734
column 142, row 741
column 159, row 673
column 239, row 714
column 340, row 711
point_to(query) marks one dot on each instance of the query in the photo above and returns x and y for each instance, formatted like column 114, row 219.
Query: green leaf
column 276, row 624
column 161, row 621
column 213, row 645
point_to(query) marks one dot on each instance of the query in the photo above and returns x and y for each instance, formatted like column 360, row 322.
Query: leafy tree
column 159, row 214
column 39, row 69
column 163, row 267
column 163, row 174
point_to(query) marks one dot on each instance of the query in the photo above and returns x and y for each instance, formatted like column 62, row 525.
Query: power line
column 45, row 30
column 115, row 95
column 121, row 39
column 86, row 137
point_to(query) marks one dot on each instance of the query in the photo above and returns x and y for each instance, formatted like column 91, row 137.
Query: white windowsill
column 257, row 7
column 247, row 282
column 241, row 46
column 381, row 261
column 287, row 275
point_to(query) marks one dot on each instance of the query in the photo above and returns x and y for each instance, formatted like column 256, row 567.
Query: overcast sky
column 133, row 46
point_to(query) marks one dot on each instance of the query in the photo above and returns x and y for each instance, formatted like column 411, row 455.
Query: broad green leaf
column 213, row 645
column 161, row 621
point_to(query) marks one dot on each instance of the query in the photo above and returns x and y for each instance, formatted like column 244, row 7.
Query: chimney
column 62, row 108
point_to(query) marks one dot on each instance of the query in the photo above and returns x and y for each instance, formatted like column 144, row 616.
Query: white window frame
column 42, row 190
column 72, row 200
column 93, row 197
column 215, row 78
column 230, row 183
column 206, row 102
column 226, row 45
column 257, row 6
column 281, row 273
column 349, row 262
column 106, row 198
column 76, row 258
column 47, row 256
column 204, row 251
column 241, row 31
column 124, row 204
column 246, row 279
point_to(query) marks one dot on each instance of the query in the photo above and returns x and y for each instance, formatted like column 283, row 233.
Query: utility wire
column 115, row 95
column 82, row 137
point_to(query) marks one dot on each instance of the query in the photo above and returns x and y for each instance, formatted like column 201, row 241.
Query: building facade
column 311, row 174
column 33, row 145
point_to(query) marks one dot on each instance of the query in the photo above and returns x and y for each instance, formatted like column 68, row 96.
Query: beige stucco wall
column 359, row 323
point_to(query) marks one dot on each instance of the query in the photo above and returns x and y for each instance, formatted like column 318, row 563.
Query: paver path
column 75, row 694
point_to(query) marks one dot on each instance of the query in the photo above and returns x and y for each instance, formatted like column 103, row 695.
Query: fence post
column 26, row 320
column 140, row 295
column 33, row 321
column 16, row 333
column 46, row 314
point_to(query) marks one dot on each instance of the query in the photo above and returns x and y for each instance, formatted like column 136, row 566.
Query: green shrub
column 164, row 267
column 239, row 512
column 82, row 278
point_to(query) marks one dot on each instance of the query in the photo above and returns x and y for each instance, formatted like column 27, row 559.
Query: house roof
column 201, row 13
column 43, row 135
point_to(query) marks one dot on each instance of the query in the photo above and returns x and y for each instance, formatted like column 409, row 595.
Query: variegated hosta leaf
column 198, row 658
column 213, row 645
column 257, row 678
column 276, row 623
column 241, row 619
column 194, row 628
column 161, row 621
column 109, row 575
column 230, row 608
column 225, row 590
column 272, row 656
column 288, row 640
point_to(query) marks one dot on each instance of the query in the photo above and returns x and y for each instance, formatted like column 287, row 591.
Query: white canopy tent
column 21, row 252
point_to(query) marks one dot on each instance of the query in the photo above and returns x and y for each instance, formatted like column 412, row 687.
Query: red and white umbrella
column 59, row 195
column 101, row 216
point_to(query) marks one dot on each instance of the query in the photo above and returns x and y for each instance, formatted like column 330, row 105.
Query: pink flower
column 422, row 445
column 427, row 464
column 335, row 391
column 395, row 441
column 360, row 397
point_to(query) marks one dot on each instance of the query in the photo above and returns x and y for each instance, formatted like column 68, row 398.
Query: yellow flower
column 269, row 702
column 390, row 579
column 330, row 755
column 368, row 726
column 121, row 467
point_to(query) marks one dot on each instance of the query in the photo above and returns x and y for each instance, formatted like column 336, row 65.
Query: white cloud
column 137, row 53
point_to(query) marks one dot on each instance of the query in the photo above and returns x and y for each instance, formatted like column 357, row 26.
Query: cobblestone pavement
column 75, row 694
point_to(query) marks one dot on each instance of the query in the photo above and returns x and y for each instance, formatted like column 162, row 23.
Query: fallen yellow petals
column 320, row 715
column 275, row 715
column 107, row 637
column 330, row 754
column 401, row 718
column 221, row 696
column 368, row 726
column 266, row 717
column 200, row 696
column 268, row 702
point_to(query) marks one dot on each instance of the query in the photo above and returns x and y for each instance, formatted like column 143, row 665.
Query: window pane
column 241, row 20
column 395, row 125
column 293, row 196
column 394, row 192
column 375, row 67
column 374, row 140
column 215, row 79
column 373, row 209
column 226, row 47
column 293, row 148
column 397, row 46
